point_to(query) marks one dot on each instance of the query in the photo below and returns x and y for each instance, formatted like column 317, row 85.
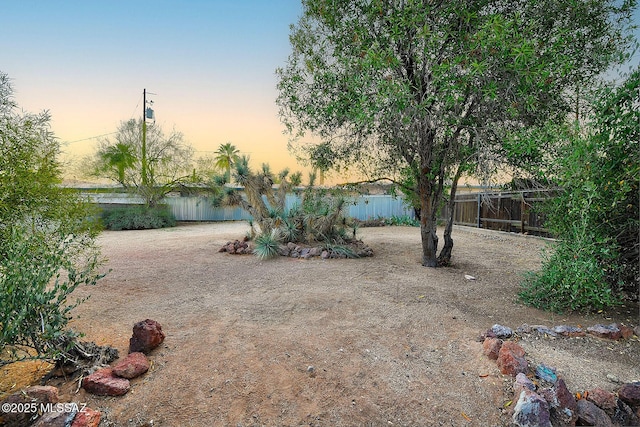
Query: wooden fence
column 505, row 211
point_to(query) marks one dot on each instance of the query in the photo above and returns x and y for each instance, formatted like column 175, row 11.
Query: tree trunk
column 427, row 223
column 444, row 258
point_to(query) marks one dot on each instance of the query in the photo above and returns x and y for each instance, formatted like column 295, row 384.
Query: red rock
column 625, row 331
column 132, row 366
column 611, row 332
column 104, row 383
column 511, row 359
column 147, row 335
column 491, row 347
column 602, row 399
column 36, row 394
column 568, row 331
column 630, row 394
column 87, row 418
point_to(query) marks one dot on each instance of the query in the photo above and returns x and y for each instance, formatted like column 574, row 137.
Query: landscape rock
column 611, row 332
column 56, row 419
column 590, row 415
column 602, row 399
column 35, row 394
column 623, row 415
column 630, row 393
column 511, row 359
column 491, row 347
column 625, row 331
column 568, row 331
column 324, row 254
column 531, row 411
column 132, row 366
column 147, row 335
column 522, row 383
column 87, row 418
column 283, row 250
column 546, row 373
column 104, row 383
column 636, row 330
column 501, row 331
column 562, row 404
column 544, row 330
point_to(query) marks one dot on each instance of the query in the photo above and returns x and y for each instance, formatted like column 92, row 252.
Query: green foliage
column 46, row 237
column 596, row 216
column 426, row 87
column 167, row 165
column 318, row 218
column 266, row 245
column 37, row 277
column 138, row 218
column 402, row 220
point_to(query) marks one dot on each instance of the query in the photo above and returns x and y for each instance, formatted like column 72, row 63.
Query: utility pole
column 145, row 179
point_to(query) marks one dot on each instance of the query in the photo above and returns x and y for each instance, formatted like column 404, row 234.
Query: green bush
column 596, row 216
column 38, row 273
column 138, row 218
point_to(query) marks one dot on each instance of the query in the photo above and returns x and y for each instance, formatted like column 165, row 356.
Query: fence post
column 479, row 211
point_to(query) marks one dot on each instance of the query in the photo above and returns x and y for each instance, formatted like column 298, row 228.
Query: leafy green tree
column 596, row 216
column 226, row 156
column 168, row 160
column 424, row 86
column 47, row 236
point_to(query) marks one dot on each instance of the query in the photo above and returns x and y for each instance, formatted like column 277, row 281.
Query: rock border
column 541, row 396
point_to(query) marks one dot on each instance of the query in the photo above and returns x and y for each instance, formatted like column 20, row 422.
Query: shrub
column 596, row 216
column 138, row 218
column 37, row 276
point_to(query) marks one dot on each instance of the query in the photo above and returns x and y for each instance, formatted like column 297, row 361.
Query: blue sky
column 211, row 64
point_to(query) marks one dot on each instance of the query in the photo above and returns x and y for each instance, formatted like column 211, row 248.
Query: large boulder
column 103, row 383
column 147, row 335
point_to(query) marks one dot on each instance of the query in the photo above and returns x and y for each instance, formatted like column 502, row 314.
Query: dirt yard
column 380, row 341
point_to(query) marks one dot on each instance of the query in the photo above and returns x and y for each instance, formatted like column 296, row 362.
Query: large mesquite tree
column 430, row 87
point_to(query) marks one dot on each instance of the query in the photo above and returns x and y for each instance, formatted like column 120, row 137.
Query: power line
column 91, row 137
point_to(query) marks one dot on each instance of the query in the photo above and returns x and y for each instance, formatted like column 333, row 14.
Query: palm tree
column 120, row 157
column 226, row 157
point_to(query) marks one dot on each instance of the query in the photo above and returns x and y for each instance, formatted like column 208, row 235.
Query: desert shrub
column 596, row 216
column 402, row 220
column 138, row 218
column 46, row 238
column 38, row 273
column 317, row 218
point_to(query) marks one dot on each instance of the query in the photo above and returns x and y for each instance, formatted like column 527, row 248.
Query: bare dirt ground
column 379, row 341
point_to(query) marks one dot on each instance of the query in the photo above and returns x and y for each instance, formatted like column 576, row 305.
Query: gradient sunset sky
column 210, row 63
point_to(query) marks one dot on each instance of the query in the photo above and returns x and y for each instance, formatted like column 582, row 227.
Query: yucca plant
column 267, row 244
